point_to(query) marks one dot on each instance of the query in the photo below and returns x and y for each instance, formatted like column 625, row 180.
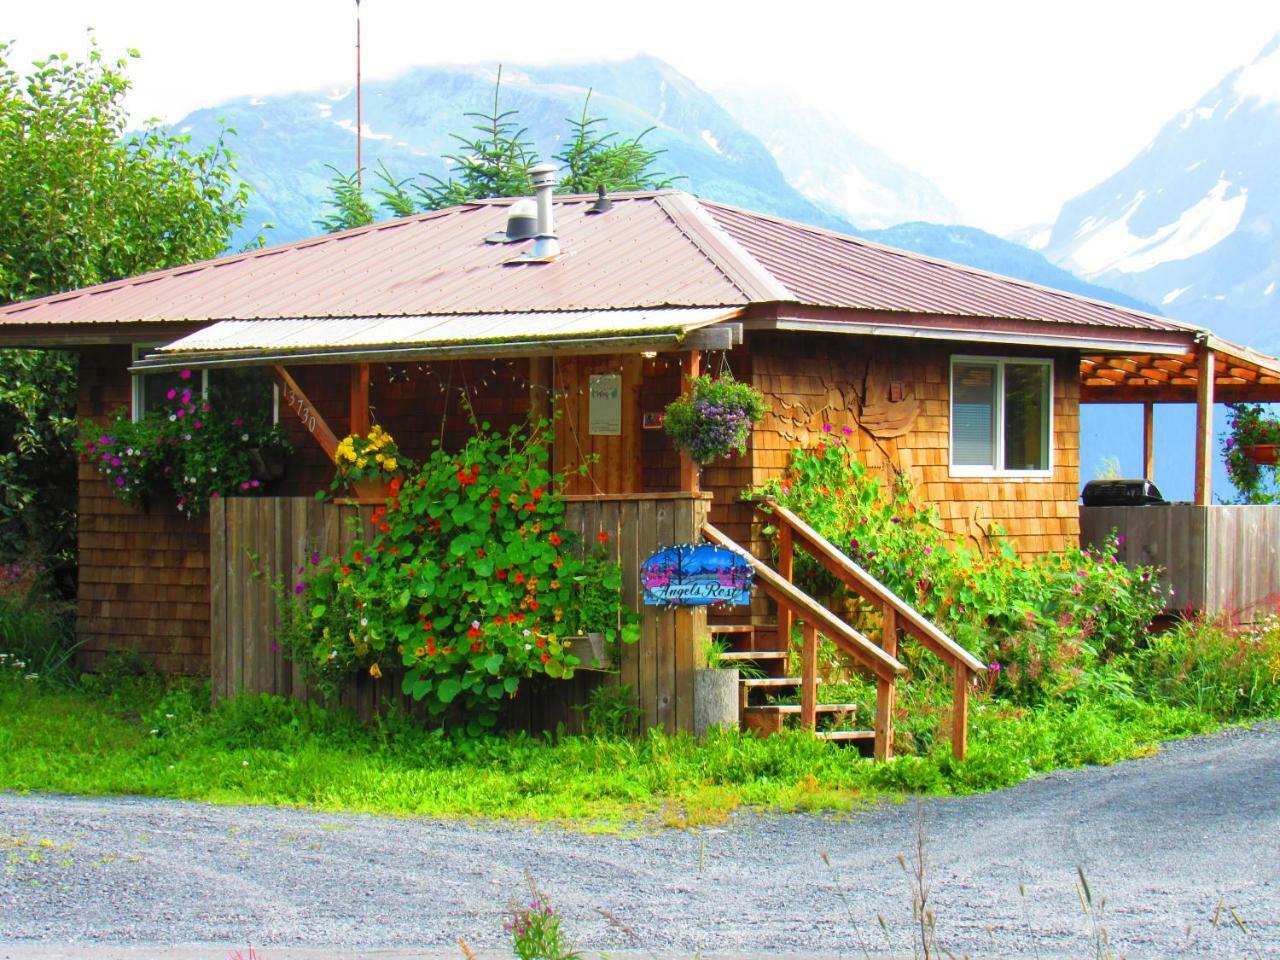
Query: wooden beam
column 1204, row 429
column 809, row 678
column 540, row 388
column 959, row 712
column 690, row 367
column 306, row 412
column 1149, row 441
column 887, row 690
column 360, row 398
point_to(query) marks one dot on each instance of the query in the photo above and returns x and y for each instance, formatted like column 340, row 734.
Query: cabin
column 967, row 382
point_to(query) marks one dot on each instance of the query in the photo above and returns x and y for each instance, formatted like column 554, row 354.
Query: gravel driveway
column 1163, row 840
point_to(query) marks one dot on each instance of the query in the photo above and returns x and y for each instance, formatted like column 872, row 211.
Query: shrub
column 1228, row 672
column 471, row 582
column 1040, row 622
column 714, row 417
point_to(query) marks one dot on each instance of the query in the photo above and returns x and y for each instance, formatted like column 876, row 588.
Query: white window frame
column 137, row 402
column 997, row 470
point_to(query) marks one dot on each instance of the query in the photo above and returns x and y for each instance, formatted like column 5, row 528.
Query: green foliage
column 471, row 582
column 592, row 160
column 1213, row 667
column 349, row 207
column 535, row 931
column 82, row 203
column 37, row 636
column 1249, row 425
column 714, row 417
column 1040, row 622
column 37, row 444
column 193, row 449
column 611, row 711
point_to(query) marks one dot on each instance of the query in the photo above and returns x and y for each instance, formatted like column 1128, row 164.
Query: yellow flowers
column 377, row 450
column 375, row 672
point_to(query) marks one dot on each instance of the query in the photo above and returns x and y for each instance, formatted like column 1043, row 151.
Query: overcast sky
column 1010, row 107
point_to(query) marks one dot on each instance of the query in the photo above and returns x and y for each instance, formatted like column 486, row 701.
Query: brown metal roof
column 822, row 268
column 651, row 250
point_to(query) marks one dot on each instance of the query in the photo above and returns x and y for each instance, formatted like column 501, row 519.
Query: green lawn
column 138, row 736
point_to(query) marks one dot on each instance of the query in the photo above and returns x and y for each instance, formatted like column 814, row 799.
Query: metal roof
column 653, row 249
column 336, row 339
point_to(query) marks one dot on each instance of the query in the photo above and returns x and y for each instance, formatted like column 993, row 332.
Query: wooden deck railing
column 896, row 614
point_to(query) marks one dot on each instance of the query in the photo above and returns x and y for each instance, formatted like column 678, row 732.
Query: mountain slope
column 1191, row 222
column 834, row 167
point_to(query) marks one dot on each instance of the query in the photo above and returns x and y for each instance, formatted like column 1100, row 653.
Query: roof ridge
column 743, row 270
column 950, row 264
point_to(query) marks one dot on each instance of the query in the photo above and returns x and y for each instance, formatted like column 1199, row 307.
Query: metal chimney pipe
column 543, row 178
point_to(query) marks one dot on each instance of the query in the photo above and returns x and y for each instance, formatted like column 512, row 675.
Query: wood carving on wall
column 880, row 415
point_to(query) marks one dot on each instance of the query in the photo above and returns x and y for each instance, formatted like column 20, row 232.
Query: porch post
column 1149, row 440
column 690, row 367
column 1204, row 424
column 359, row 398
column 540, row 388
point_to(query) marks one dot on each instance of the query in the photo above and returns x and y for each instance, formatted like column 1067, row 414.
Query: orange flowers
column 603, row 536
column 555, row 540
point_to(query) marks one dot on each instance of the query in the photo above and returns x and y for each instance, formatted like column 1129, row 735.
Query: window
column 1001, row 416
column 250, row 388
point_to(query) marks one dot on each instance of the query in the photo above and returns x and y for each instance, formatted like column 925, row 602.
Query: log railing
column 896, row 615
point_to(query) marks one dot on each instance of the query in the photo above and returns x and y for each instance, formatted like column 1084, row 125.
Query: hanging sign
column 604, row 407
column 696, row 575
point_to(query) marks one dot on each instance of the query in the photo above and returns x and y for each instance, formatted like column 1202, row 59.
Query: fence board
column 258, row 541
column 1218, row 559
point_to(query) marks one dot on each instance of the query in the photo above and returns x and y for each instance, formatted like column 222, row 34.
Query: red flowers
column 519, row 577
column 546, row 658
column 603, row 536
column 555, row 540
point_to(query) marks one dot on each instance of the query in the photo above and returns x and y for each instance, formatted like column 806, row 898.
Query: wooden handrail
column 871, row 589
column 786, row 594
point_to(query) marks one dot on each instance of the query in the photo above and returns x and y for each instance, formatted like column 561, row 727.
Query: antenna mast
column 359, row 124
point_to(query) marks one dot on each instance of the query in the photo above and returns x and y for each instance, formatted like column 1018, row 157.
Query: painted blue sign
column 696, row 575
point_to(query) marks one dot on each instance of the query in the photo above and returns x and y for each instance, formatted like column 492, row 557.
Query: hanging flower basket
column 714, row 417
column 371, row 466
column 1263, row 453
column 374, row 488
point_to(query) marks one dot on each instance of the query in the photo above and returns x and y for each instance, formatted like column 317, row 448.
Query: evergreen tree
column 349, row 206
column 592, row 160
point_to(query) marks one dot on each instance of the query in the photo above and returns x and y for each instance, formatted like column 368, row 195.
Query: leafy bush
column 194, row 449
column 1040, row 622
column 471, row 582
column 714, row 417
column 1229, row 672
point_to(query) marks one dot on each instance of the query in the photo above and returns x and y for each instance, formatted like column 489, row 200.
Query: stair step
column 845, row 736
column 738, row 655
column 771, row 681
column 795, row 708
column 731, row 627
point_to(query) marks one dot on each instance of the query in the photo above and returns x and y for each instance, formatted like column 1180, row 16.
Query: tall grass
column 37, row 637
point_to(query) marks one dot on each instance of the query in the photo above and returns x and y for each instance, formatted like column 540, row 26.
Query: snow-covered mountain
column 1192, row 224
column 832, row 166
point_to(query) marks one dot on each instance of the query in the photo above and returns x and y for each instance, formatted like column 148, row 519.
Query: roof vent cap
column 522, row 223
column 603, row 204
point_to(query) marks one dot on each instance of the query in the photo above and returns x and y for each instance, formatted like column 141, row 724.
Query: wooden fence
column 1219, row 559
column 256, row 543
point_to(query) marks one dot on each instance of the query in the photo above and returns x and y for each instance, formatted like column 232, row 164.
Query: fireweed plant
column 714, row 417
column 192, row 449
column 1247, row 426
column 470, row 583
column 1039, row 622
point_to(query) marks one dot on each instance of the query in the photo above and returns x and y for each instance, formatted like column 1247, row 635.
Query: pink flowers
column 185, row 374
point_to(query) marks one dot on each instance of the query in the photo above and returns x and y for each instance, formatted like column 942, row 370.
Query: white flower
column 155, row 733
column 528, row 646
column 173, row 418
column 244, row 437
column 33, row 676
column 168, row 716
column 364, row 621
column 244, row 763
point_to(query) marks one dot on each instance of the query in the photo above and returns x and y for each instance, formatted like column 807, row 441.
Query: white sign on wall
column 604, row 411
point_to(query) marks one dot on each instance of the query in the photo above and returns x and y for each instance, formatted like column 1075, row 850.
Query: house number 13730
column 302, row 409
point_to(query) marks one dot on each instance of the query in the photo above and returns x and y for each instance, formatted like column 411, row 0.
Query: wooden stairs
column 768, row 694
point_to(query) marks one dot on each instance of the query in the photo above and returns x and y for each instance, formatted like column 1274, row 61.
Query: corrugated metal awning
column 362, row 339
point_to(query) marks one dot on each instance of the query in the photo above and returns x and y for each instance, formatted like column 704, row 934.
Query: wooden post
column 809, row 678
column 1149, row 440
column 306, row 412
column 886, row 690
column 959, row 709
column 786, row 569
column 360, row 398
column 1204, row 425
column 540, row 388
column 690, row 367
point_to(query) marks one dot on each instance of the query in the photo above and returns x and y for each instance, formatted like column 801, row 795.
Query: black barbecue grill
column 1122, row 493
